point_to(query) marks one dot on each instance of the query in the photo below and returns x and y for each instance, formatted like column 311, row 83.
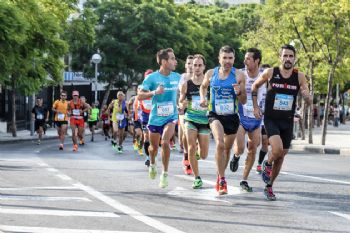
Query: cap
column 147, row 72
column 75, row 93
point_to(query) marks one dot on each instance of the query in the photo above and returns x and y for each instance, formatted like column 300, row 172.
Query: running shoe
column 105, row 138
column 185, row 162
column 197, row 183
column 140, row 151
column 120, row 149
column 268, row 192
column 82, row 142
column 147, row 162
column 188, row 170
column 152, row 171
column 222, row 187
column 136, row 147
column 245, row 187
column 266, row 172
column 234, row 163
column 60, row 147
column 38, row 143
column 75, row 147
column 163, row 182
column 258, row 169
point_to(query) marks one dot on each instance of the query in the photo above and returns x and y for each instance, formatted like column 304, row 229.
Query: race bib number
column 147, row 104
column 76, row 112
column 40, row 116
column 60, row 116
column 224, row 106
column 106, row 122
column 196, row 104
column 120, row 116
column 248, row 109
column 283, row 102
column 165, row 109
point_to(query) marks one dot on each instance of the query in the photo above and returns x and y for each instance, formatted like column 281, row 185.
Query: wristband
column 254, row 93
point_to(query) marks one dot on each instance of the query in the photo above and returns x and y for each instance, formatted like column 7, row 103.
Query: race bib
column 60, row 116
column 85, row 114
column 76, row 112
column 106, row 122
column 120, row 116
column 40, row 116
column 224, row 106
column 248, row 109
column 147, row 104
column 165, row 109
column 283, row 102
column 196, row 104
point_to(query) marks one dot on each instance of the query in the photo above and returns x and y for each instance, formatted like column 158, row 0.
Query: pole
column 32, row 104
column 95, row 82
column 337, row 94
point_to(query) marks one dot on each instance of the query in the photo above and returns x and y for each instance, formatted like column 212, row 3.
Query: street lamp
column 96, row 58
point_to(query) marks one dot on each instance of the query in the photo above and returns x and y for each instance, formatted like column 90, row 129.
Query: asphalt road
column 95, row 190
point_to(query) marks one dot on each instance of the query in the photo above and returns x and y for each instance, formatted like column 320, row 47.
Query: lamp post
column 96, row 58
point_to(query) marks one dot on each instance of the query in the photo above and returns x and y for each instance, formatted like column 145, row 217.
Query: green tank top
column 94, row 114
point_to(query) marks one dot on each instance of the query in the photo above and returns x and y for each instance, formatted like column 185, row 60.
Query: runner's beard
column 287, row 65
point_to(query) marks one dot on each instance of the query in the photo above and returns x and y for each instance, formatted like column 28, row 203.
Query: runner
column 227, row 87
column 162, row 85
column 196, row 120
column 284, row 83
column 138, row 144
column 130, row 125
column 248, row 123
column 93, row 119
column 60, row 109
column 106, row 122
column 76, row 109
column 181, row 128
column 40, row 115
column 85, row 117
column 119, row 121
column 264, row 139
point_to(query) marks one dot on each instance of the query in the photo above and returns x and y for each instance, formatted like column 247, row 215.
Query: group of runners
column 225, row 102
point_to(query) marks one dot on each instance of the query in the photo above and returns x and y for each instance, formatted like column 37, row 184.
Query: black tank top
column 192, row 89
column 281, row 95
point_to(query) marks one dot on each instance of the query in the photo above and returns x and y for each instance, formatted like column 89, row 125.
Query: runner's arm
column 242, row 96
column 182, row 99
column 204, row 88
column 304, row 89
column 263, row 78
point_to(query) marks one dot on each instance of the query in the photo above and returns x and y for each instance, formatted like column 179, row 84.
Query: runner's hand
column 236, row 88
column 257, row 113
column 204, row 103
column 160, row 90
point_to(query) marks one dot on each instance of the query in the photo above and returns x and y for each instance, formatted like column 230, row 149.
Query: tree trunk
column 318, row 107
column 106, row 95
column 326, row 110
column 13, row 103
column 311, row 108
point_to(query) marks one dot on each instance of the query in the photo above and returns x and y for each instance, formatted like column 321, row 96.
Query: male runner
column 162, row 85
column 93, row 119
column 196, row 120
column 248, row 123
column 60, row 109
column 227, row 87
column 284, row 84
column 40, row 115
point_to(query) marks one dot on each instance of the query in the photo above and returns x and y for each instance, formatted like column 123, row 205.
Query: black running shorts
column 230, row 122
column 283, row 128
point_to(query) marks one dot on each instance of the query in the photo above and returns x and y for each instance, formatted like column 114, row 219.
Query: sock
column 198, row 177
column 236, row 157
column 261, row 156
column 165, row 173
column 185, row 156
column 146, row 145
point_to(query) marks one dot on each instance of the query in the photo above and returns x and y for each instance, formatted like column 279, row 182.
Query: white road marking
column 56, row 230
column 199, row 194
column 128, row 210
column 51, row 169
column 40, row 188
column 316, row 178
column 41, row 164
column 40, row 198
column 64, row 213
column 63, row 177
column 230, row 189
column 347, row 216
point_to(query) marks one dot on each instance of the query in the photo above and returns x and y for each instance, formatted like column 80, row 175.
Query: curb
column 321, row 149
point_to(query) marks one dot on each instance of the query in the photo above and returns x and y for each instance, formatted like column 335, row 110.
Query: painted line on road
column 316, row 178
column 347, row 216
column 40, row 188
column 51, row 169
column 40, row 198
column 128, row 210
column 63, row 177
column 64, row 213
column 56, row 230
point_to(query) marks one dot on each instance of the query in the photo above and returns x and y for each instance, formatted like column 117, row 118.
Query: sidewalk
column 24, row 135
column 337, row 141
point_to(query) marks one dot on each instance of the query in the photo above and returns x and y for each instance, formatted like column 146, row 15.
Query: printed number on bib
column 40, row 116
column 106, row 122
column 224, row 106
column 165, row 109
column 60, row 116
column 248, row 109
column 147, row 104
column 283, row 102
column 76, row 112
column 196, row 104
column 120, row 116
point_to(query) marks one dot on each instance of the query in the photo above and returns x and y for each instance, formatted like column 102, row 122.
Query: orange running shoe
column 222, row 187
column 75, row 147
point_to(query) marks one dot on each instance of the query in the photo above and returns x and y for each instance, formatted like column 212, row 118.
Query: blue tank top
column 223, row 100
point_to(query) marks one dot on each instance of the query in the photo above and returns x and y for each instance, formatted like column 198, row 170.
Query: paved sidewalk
column 337, row 141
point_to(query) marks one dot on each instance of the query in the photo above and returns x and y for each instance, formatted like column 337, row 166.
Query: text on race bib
column 224, row 106
column 76, row 112
column 196, row 104
column 165, row 109
column 283, row 102
column 40, row 116
column 60, row 116
column 120, row 116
